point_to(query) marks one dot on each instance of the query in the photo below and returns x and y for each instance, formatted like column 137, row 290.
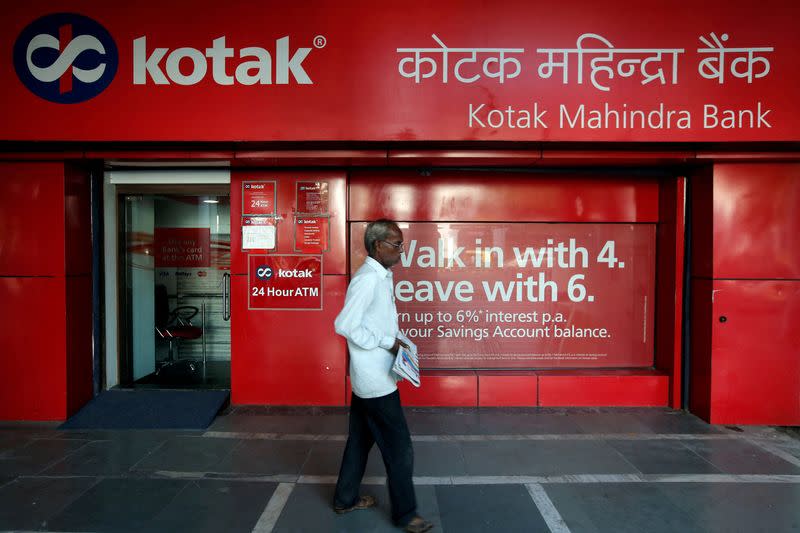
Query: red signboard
column 505, row 295
column 311, row 234
column 285, row 282
column 677, row 71
column 182, row 247
column 312, row 197
column 258, row 198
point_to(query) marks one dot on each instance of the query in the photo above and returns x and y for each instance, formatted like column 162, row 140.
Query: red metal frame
column 446, row 195
column 599, row 388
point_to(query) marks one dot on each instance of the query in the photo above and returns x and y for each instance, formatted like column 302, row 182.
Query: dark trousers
column 379, row 420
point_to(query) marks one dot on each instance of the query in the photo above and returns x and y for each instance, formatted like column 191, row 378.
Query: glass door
column 175, row 293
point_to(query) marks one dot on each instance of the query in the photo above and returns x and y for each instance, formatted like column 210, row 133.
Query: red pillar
column 746, row 294
column 45, row 291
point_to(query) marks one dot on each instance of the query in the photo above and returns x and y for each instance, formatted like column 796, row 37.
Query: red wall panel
column 79, row 359
column 599, row 388
column 700, row 358
column 32, row 342
column 507, row 389
column 755, row 368
column 745, row 369
column 287, row 357
column 77, row 221
column 335, row 259
column 45, row 258
column 492, row 196
column 669, row 283
column 444, row 389
column 757, row 221
column 32, row 219
column 78, row 269
column 702, row 207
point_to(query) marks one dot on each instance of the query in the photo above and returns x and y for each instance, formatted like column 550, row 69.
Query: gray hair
column 377, row 231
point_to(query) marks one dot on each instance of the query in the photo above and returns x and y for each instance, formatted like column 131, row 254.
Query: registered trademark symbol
column 320, row 41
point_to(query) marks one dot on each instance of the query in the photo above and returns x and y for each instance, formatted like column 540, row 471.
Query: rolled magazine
column 406, row 363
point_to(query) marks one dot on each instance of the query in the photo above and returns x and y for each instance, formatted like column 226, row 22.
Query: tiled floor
column 496, row 470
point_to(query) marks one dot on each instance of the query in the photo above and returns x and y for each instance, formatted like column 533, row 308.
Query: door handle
column 226, row 296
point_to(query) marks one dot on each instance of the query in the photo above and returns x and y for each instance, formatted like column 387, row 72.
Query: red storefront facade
column 598, row 209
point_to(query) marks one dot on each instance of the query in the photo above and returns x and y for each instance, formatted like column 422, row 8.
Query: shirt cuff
column 387, row 342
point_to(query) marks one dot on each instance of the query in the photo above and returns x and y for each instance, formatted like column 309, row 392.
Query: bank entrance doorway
column 174, row 287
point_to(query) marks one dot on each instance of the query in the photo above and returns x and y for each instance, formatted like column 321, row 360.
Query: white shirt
column 369, row 323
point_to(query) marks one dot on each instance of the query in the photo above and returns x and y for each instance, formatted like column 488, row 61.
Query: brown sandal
column 418, row 525
column 364, row 502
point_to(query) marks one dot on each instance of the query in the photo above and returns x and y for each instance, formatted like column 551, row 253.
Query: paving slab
column 30, row 503
column 37, row 455
column 264, row 457
column 187, row 454
column 663, row 457
column 741, row 457
column 543, row 458
column 105, row 457
column 325, row 459
column 488, row 508
column 667, row 421
column 737, row 507
column 211, row 506
column 309, row 509
column 118, row 505
column 619, row 508
column 335, row 424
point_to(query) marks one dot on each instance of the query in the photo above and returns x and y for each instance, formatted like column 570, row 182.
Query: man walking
column 369, row 323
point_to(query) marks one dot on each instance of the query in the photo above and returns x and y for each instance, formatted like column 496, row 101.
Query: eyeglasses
column 400, row 245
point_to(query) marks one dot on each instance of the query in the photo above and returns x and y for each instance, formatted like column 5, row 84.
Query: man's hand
column 397, row 344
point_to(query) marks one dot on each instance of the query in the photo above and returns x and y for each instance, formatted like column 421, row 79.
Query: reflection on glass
column 177, row 252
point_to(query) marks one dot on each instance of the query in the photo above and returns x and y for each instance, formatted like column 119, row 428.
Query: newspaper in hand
column 406, row 363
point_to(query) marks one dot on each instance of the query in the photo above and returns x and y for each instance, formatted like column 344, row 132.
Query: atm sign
column 285, row 282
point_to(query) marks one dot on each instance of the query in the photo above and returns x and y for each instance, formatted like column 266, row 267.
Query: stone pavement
column 268, row 469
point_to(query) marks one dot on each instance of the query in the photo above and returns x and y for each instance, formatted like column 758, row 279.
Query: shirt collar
column 384, row 272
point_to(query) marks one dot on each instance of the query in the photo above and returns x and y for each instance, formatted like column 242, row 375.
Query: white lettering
column 262, row 67
column 714, row 117
column 608, row 117
column 255, row 67
column 295, row 64
column 218, row 54
column 510, row 117
column 143, row 65
column 199, row 66
column 295, row 273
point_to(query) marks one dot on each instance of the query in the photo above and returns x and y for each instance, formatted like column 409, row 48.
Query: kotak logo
column 307, row 273
column 265, row 272
column 162, row 66
column 69, row 58
column 65, row 58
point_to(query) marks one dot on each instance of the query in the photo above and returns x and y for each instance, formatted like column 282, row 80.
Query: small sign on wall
column 258, row 233
column 284, row 282
column 311, row 234
column 258, row 198
column 312, row 197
